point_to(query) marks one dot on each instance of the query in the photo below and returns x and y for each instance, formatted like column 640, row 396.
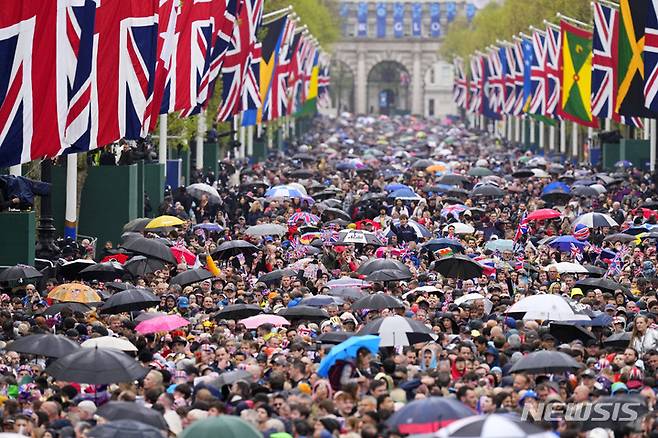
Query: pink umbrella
column 181, row 253
column 253, row 322
column 165, row 323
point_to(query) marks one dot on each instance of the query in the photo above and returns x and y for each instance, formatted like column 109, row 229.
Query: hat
column 348, row 317
column 576, row 291
column 610, row 307
column 618, row 386
column 589, row 373
column 183, row 302
column 526, row 395
column 179, row 340
column 88, row 406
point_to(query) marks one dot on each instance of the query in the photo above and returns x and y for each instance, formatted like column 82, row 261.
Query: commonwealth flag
column 576, row 67
column 630, row 63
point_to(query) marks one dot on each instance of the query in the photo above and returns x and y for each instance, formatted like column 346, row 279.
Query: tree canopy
column 320, row 17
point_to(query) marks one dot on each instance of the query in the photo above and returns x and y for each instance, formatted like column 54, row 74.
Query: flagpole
column 162, row 141
column 574, row 140
column 70, row 221
column 250, row 140
column 523, row 134
column 607, row 3
column 647, row 129
column 563, row 137
column 608, row 124
column 275, row 14
column 517, row 129
column 573, row 21
column 590, row 142
column 542, row 135
column 200, row 134
column 652, row 145
column 551, row 138
column 532, row 130
column 236, row 128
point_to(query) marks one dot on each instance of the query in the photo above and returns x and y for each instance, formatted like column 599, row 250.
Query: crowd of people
column 462, row 256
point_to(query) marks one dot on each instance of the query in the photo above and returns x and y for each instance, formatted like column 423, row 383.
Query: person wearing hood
column 428, row 360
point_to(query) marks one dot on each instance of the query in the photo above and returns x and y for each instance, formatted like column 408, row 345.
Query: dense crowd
column 383, row 277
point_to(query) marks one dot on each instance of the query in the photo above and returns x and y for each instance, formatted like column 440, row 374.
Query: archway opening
column 342, row 86
column 388, row 88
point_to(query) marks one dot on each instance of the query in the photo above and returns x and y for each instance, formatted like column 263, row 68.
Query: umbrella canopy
column 305, row 218
column 619, row 237
column 396, row 331
column 136, row 225
column 499, row 245
column 452, row 179
column 234, row 247
column 320, row 300
column 266, row 230
column 479, row 171
column 437, row 244
column 585, row 191
column 164, row 221
column 277, row 275
column 209, row 226
column 488, row 191
column 97, row 366
column 150, row 248
column 191, row 276
column 420, row 230
column 197, row 190
column 70, row 306
column 303, row 312
column 595, row 220
column 124, row 429
column 601, row 283
column 458, row 266
column 618, row 340
column 566, row 243
column 225, row 426
column 348, row 350
column 71, row 270
column 543, row 214
column 549, row 308
column 565, row 333
column 130, row 300
column 460, row 228
column 45, row 344
column 106, row 271
column 19, row 273
column 335, row 213
column 372, row 265
column 253, row 322
column 284, row 192
column 238, row 311
column 378, row 301
column 404, row 194
column 389, row 275
column 347, row 237
column 469, row 298
column 545, row 361
column 493, row 426
column 230, row 377
column 349, row 281
column 122, row 410
column 109, row 342
column 139, row 266
column 74, row 292
column 427, row 415
column 333, row 338
column 568, row 268
column 347, row 292
column 165, row 323
column 523, row 173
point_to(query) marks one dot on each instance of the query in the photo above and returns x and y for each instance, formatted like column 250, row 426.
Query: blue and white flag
column 398, row 20
column 362, row 20
column 344, row 12
column 470, row 12
column 416, row 19
column 435, row 20
column 451, row 11
column 381, row 20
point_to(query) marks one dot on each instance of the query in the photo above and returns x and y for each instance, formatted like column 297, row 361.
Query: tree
column 321, row 17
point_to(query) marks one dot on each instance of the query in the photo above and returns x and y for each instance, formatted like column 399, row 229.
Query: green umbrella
column 480, row 171
column 224, row 426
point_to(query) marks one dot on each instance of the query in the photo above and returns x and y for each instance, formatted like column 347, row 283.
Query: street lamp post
column 45, row 247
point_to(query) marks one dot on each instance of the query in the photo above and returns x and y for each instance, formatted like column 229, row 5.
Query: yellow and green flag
column 576, row 80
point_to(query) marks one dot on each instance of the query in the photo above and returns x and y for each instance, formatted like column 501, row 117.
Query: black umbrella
column 137, row 225
column 123, row 410
column 373, row 265
column 238, row 311
column 130, row 235
column 139, row 266
column 59, row 307
column 336, row 213
column 253, row 186
column 488, row 191
column 422, row 164
column 233, row 248
column 125, row 429
column 333, row 338
column 523, row 173
column 452, row 179
column 144, row 316
column 397, row 331
column 428, row 415
column 46, row 344
column 130, row 300
column 618, row 340
column 97, row 366
column 620, row 413
column 347, row 293
column 106, row 271
column 20, row 273
column 378, row 302
column 302, row 173
column 595, row 271
column 389, row 275
column 150, row 248
column 565, row 333
column 556, row 198
column 191, row 276
column 71, row 270
column 619, row 237
column 304, row 312
column 545, row 362
column 458, row 266
column 276, row 275
column 584, row 192
column 118, row 285
column 601, row 283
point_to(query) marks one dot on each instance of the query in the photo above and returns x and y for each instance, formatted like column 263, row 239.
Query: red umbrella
column 181, row 253
column 543, row 214
column 119, row 258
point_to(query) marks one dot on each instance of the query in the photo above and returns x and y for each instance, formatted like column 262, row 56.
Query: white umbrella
column 568, row 267
column 594, row 220
column 198, row 189
column 540, row 173
column 469, row 298
column 299, row 187
column 550, row 308
column 460, row 228
column 266, row 230
column 109, row 342
column 493, row 426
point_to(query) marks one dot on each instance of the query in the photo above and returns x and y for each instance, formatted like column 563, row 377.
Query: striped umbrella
column 284, row 192
column 306, row 218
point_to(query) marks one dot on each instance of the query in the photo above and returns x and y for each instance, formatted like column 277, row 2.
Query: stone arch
column 388, row 91
column 342, row 85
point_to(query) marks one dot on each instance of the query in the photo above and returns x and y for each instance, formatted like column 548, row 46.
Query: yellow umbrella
column 164, row 221
column 74, row 292
column 436, row 168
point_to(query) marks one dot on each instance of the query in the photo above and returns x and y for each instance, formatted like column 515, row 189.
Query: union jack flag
column 323, row 83
column 523, row 228
column 519, row 75
column 297, row 81
column 282, row 72
column 538, row 74
column 552, row 68
column 477, row 82
column 460, row 88
column 576, row 254
column 617, row 263
column 241, row 63
column 495, row 81
column 127, row 33
column 29, row 97
column 510, row 87
column 651, row 57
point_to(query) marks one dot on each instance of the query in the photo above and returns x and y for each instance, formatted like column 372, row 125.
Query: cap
column 610, row 307
column 183, row 302
column 88, row 406
column 618, row 386
column 589, row 373
column 576, row 291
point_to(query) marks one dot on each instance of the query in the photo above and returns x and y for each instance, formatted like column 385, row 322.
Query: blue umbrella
column 623, row 163
column 284, row 192
column 396, row 186
column 437, row 244
column 556, row 187
column 563, row 243
column 499, row 245
column 404, row 194
column 347, row 350
column 209, row 227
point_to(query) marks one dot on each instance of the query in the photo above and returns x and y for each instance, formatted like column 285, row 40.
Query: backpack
column 335, row 372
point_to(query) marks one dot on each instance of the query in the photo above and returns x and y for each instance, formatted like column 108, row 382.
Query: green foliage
column 501, row 21
column 320, row 16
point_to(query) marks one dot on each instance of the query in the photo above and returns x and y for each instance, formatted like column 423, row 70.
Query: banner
column 416, row 19
column 470, row 12
column 451, row 11
column 362, row 20
column 398, row 20
column 435, row 20
column 344, row 12
column 381, row 20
